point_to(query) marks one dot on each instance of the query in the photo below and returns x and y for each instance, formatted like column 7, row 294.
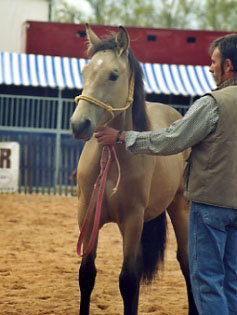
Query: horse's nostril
column 81, row 129
column 72, row 125
column 86, row 125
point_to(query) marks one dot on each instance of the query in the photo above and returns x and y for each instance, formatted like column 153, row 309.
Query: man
column 210, row 128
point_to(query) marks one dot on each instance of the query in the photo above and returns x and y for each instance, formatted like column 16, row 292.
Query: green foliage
column 126, row 12
column 218, row 15
column 177, row 13
column 202, row 14
column 64, row 12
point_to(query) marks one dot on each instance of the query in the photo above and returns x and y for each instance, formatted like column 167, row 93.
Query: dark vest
column 211, row 173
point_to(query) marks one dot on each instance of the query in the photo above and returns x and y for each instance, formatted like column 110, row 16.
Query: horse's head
column 106, row 84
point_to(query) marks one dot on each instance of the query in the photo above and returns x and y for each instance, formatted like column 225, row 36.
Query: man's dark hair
column 227, row 46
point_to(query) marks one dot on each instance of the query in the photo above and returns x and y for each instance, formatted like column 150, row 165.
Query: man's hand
column 109, row 136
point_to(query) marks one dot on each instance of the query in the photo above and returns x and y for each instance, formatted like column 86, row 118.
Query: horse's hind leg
column 130, row 276
column 179, row 215
column 87, row 275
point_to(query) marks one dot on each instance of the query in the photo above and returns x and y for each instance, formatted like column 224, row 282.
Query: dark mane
column 140, row 119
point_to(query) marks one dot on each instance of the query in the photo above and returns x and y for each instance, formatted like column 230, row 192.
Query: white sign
column 9, row 166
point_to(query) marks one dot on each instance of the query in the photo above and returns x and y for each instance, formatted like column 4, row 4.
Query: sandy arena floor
column 39, row 264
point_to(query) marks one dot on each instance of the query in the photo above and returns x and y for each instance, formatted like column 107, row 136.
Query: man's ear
column 228, row 66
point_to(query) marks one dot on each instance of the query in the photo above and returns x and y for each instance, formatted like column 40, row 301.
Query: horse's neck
column 123, row 121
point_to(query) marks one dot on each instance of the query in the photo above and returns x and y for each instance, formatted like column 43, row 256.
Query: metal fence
column 48, row 152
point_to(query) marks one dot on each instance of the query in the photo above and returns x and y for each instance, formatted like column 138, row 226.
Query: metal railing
column 49, row 154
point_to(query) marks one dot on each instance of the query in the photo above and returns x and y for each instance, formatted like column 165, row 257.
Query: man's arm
column 199, row 121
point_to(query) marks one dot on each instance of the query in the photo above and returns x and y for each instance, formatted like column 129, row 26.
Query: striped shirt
column 199, row 121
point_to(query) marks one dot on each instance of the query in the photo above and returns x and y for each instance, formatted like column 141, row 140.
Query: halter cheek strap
column 109, row 108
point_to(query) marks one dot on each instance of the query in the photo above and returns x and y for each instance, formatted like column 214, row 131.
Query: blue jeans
column 213, row 259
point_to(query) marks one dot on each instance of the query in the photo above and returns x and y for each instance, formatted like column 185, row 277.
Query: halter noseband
column 109, row 108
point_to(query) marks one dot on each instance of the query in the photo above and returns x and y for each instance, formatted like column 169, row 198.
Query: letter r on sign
column 5, row 161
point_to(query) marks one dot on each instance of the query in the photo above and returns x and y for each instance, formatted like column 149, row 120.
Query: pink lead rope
column 97, row 198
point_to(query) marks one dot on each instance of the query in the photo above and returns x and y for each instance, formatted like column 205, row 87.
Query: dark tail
column 153, row 246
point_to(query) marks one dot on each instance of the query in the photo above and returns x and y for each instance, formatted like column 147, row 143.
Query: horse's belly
column 166, row 181
column 158, row 203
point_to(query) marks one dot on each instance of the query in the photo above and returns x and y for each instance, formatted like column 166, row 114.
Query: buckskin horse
column 149, row 186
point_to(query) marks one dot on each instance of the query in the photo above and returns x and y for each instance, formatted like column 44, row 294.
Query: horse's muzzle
column 82, row 130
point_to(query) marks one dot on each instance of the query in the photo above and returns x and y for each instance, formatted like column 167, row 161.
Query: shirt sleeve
column 199, row 121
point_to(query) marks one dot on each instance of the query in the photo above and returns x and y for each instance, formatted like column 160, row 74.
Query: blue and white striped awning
column 64, row 72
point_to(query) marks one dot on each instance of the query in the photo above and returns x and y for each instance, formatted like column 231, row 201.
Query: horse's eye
column 113, row 76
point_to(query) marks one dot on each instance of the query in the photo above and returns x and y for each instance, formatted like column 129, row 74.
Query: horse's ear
column 122, row 41
column 93, row 39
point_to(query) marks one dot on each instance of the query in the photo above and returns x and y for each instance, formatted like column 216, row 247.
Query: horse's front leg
column 87, row 275
column 130, row 276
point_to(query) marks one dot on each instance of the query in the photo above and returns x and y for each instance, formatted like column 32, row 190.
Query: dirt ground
column 39, row 264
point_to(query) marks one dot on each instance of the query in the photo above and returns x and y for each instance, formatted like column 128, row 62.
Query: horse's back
column 161, row 115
